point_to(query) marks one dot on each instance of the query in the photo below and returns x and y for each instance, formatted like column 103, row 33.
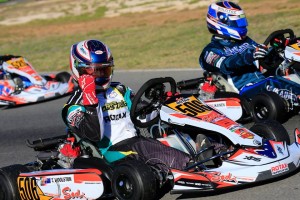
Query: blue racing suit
column 234, row 59
column 231, row 57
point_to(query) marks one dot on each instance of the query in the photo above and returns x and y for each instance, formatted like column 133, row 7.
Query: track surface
column 44, row 120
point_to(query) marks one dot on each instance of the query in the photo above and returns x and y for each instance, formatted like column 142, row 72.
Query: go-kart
column 21, row 84
column 276, row 102
column 238, row 156
column 283, row 56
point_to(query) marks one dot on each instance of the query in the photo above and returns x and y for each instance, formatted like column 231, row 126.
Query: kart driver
column 232, row 53
column 99, row 110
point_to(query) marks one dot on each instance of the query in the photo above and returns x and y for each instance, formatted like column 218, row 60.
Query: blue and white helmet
column 227, row 19
column 92, row 57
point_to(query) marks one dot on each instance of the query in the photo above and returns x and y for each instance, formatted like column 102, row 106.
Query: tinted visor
column 237, row 22
column 99, row 70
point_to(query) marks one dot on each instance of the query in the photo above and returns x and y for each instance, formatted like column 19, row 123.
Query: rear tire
column 63, row 77
column 133, row 180
column 271, row 129
column 8, row 182
column 268, row 106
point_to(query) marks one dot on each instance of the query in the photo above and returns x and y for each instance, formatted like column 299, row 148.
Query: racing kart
column 276, row 102
column 238, row 156
column 21, row 84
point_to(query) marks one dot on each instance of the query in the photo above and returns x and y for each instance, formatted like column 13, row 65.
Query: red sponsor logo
column 218, row 177
column 279, row 169
column 68, row 194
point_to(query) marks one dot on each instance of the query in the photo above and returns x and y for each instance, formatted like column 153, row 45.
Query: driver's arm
column 216, row 60
column 81, row 113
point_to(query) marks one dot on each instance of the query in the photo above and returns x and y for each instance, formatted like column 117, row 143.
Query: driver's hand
column 88, row 86
column 260, row 51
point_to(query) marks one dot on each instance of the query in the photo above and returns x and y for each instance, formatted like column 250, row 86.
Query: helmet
column 92, row 57
column 227, row 19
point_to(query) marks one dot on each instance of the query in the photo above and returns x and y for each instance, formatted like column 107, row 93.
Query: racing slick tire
column 134, row 180
column 63, row 77
column 8, row 182
column 271, row 129
column 268, row 106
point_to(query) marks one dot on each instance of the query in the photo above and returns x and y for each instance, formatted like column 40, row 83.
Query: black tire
column 268, row 106
column 246, row 106
column 63, row 77
column 8, row 182
column 271, row 129
column 133, row 180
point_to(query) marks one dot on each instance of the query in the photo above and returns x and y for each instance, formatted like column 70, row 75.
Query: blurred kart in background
column 21, row 84
column 276, row 102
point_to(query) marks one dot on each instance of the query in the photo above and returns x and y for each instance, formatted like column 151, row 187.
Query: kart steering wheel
column 148, row 100
column 273, row 59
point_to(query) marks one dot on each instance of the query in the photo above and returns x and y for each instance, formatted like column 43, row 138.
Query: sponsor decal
column 279, row 149
column 212, row 58
column 99, row 52
column 219, row 105
column 244, row 133
column 113, row 94
column 283, row 93
column 279, row 169
column 114, row 105
column 237, row 49
column 253, row 158
column 219, row 62
column 218, row 177
column 68, row 194
column 182, row 100
column 75, row 117
column 229, row 11
column 193, row 183
column 114, row 117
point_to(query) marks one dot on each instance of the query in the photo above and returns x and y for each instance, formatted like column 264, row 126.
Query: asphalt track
column 44, row 120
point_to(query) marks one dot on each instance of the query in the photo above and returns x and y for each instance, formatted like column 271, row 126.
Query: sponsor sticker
column 279, row 169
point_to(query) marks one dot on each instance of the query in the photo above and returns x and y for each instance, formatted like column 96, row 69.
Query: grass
column 139, row 46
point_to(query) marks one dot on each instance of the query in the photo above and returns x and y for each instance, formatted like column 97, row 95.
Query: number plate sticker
column 190, row 106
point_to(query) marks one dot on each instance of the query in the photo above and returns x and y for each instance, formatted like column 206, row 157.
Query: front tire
column 134, row 180
column 8, row 182
column 271, row 129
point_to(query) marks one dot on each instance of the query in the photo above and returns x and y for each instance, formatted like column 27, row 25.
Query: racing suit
column 109, row 126
column 234, row 59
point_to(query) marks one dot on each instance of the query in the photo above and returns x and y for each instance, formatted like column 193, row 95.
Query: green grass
column 171, row 45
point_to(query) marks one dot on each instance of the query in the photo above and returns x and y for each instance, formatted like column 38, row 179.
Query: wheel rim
column 261, row 111
column 124, row 186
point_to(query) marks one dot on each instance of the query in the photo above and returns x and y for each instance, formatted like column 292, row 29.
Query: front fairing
column 187, row 110
column 20, row 66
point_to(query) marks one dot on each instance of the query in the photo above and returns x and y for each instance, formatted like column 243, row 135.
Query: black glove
column 260, row 52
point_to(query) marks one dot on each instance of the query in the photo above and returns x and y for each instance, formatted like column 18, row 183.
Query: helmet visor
column 237, row 21
column 99, row 70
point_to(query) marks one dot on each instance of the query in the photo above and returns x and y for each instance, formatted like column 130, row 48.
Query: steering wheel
column 273, row 59
column 148, row 101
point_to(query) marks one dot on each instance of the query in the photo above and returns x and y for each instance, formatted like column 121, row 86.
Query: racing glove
column 260, row 52
column 88, row 86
